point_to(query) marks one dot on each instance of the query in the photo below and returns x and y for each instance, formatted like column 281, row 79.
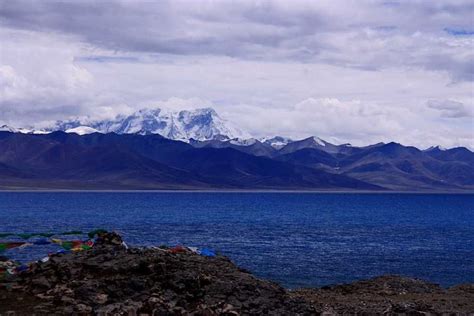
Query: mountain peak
column 82, row 130
column 436, row 148
column 6, row 128
column 11, row 129
column 276, row 142
column 199, row 124
column 318, row 141
column 208, row 110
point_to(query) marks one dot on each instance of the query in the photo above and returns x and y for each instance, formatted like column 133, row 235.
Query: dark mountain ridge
column 130, row 161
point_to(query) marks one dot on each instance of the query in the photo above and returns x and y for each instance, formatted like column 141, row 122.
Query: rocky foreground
column 110, row 279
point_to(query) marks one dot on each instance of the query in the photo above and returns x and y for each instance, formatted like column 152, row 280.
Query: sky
column 356, row 72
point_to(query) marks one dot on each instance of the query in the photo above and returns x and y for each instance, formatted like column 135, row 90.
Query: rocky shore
column 110, row 279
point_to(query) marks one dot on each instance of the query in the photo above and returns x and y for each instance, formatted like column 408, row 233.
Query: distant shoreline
column 232, row 191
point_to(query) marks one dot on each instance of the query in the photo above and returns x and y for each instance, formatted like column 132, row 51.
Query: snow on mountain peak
column 243, row 141
column 276, row 142
column 436, row 148
column 200, row 124
column 319, row 141
column 82, row 130
column 6, row 128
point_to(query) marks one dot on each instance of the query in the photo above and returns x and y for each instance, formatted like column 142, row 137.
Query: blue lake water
column 296, row 239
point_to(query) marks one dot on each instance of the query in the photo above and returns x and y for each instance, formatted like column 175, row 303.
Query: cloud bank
column 350, row 71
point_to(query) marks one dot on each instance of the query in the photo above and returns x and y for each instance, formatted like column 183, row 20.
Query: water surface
column 297, row 239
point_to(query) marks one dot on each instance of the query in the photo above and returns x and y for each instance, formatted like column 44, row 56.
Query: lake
column 296, row 239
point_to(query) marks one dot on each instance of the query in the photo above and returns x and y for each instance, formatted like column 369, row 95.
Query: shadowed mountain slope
column 60, row 160
column 393, row 165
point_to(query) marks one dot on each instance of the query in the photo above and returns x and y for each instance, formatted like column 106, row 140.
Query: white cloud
column 358, row 123
column 360, row 72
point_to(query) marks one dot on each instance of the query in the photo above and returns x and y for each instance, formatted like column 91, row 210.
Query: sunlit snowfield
column 297, row 239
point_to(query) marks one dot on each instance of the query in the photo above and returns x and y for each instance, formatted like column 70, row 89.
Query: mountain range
column 199, row 124
column 158, row 149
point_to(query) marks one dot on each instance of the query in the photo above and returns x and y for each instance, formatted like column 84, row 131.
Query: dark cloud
column 450, row 108
column 107, row 59
column 300, row 31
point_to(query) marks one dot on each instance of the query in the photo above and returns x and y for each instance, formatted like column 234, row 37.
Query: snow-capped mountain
column 82, row 130
column 316, row 143
column 436, row 148
column 200, row 124
column 7, row 128
column 243, row 141
column 276, row 142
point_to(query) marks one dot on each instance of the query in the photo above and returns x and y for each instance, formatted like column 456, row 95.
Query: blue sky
column 347, row 71
column 459, row 32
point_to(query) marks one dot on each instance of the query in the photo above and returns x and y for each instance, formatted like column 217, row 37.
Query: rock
column 44, row 297
column 110, row 279
column 68, row 300
column 101, row 298
column 113, row 239
column 81, row 308
column 41, row 282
